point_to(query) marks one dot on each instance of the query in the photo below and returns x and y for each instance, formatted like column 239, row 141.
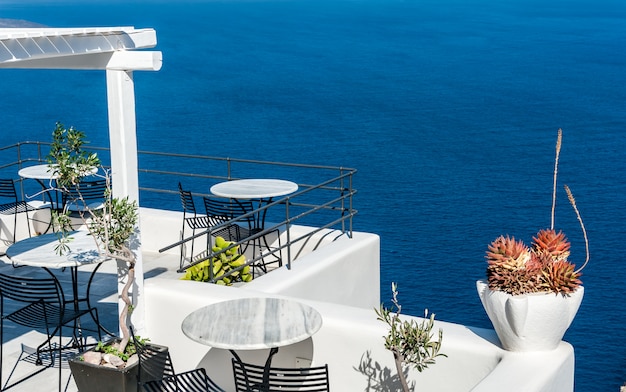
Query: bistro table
column 42, row 173
column 259, row 189
column 39, row 251
column 252, row 324
column 37, row 172
column 254, row 188
column 45, row 176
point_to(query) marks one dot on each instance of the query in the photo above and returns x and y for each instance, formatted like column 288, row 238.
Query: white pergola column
column 124, row 172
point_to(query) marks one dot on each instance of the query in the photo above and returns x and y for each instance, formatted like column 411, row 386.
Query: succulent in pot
column 515, row 268
column 532, row 293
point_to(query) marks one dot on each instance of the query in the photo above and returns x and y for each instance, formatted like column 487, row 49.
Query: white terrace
column 338, row 275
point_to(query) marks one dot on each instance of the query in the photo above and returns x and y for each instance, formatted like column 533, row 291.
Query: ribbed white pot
column 529, row 322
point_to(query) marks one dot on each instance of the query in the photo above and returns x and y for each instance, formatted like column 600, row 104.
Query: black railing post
column 287, row 224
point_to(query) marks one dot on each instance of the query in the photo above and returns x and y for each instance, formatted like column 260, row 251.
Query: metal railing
column 324, row 199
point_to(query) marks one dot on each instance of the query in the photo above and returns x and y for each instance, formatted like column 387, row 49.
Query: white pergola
column 114, row 50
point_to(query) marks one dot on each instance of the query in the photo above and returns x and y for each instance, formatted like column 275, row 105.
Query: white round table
column 39, row 251
column 44, row 172
column 37, row 172
column 254, row 188
column 252, row 323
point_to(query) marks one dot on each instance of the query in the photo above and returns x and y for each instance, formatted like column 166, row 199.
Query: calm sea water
column 448, row 108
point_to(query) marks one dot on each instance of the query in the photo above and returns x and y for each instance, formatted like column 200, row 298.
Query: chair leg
column 183, row 249
column 15, row 224
column 28, row 223
column 1, row 342
column 60, row 358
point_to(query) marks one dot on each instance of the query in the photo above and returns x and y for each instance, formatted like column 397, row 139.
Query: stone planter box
column 95, row 378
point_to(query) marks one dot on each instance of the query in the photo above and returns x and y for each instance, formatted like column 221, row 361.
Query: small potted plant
column 112, row 227
column 224, row 269
column 411, row 343
column 532, row 293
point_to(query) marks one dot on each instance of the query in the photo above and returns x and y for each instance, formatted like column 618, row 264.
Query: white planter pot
column 530, row 322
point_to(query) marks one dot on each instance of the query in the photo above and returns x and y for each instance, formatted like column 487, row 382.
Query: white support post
column 125, row 177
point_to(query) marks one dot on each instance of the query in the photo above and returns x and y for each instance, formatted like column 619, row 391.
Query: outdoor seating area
column 348, row 340
column 78, row 272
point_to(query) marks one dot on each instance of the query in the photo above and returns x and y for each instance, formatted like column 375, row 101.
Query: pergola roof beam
column 17, row 45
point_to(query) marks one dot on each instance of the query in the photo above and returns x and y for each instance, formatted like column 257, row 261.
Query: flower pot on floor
column 97, row 378
column 529, row 322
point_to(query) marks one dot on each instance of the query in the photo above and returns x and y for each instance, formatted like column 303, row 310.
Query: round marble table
column 261, row 190
column 39, row 251
column 37, row 172
column 254, row 188
column 44, row 172
column 46, row 176
column 252, row 323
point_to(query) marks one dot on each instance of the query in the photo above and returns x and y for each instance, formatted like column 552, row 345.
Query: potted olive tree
column 112, row 226
column 532, row 293
column 410, row 342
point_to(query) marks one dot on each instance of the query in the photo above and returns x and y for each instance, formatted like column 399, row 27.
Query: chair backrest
column 30, row 290
column 92, row 192
column 221, row 210
column 186, row 199
column 7, row 189
column 249, row 377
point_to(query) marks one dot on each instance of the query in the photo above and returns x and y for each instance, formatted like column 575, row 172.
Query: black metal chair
column 219, row 211
column 84, row 196
column 192, row 219
column 156, row 373
column 39, row 303
column 13, row 205
column 250, row 377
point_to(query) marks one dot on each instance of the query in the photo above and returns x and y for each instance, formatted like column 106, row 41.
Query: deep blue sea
column 449, row 109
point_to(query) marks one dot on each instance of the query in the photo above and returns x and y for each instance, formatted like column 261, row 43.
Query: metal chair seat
column 16, row 208
column 30, row 316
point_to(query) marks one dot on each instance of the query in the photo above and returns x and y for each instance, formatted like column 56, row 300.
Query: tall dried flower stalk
column 556, row 167
column 582, row 225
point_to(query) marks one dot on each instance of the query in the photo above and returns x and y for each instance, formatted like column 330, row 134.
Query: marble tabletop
column 38, row 251
column 42, row 172
column 252, row 323
column 254, row 188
